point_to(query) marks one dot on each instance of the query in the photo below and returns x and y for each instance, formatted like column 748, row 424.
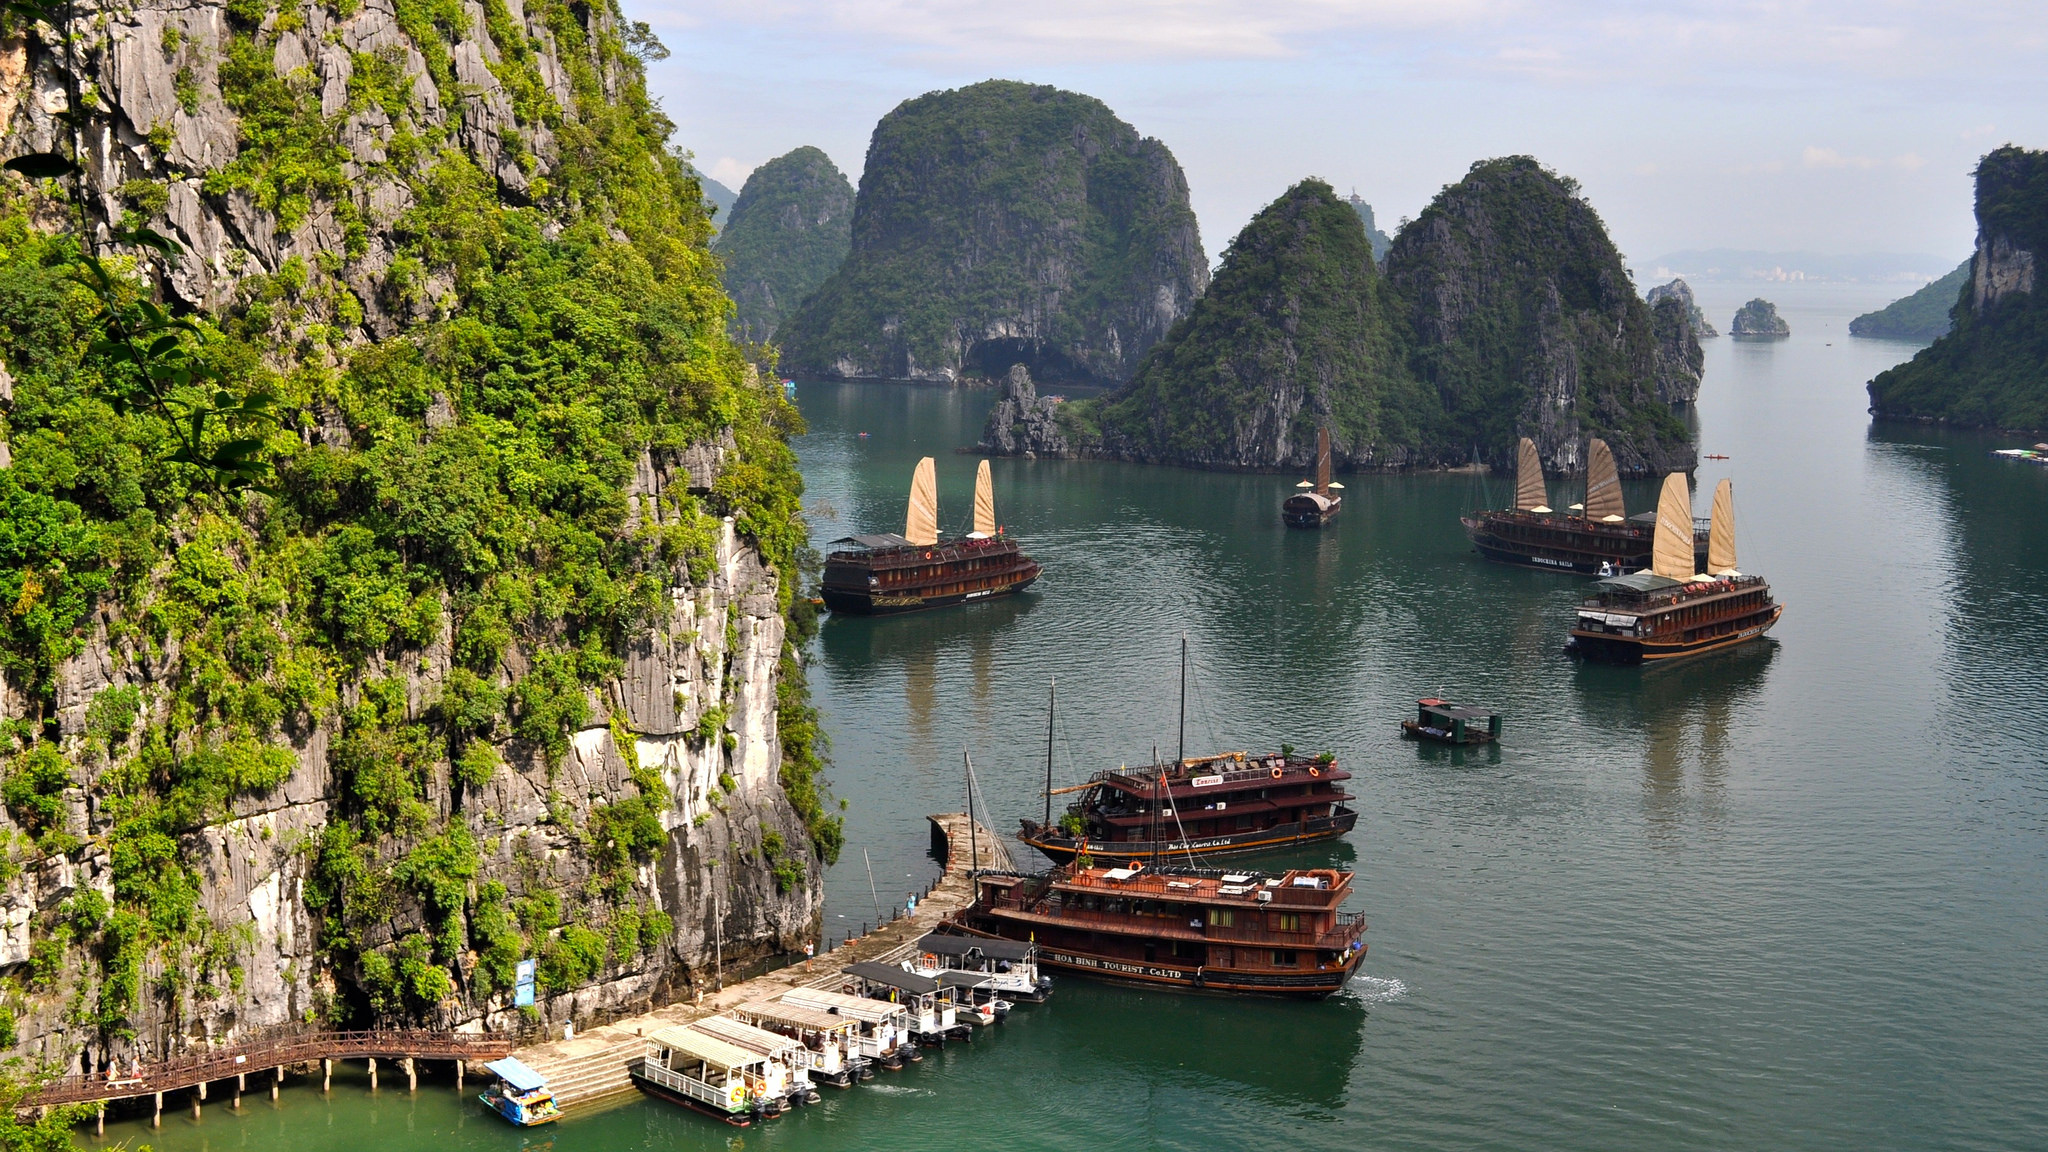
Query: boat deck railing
column 1347, row 927
column 689, row 1086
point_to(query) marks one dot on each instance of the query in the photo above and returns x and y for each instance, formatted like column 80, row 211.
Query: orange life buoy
column 1314, row 771
column 1276, row 772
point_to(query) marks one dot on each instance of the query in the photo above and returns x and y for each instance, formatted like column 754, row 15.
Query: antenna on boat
column 1051, row 702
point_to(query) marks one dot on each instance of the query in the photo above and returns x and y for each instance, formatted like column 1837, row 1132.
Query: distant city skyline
column 1826, row 126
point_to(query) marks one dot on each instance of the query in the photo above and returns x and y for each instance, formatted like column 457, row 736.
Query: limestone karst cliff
column 494, row 660
column 788, row 232
column 1502, row 311
column 1759, row 320
column 1991, row 369
column 1682, row 292
column 1005, row 223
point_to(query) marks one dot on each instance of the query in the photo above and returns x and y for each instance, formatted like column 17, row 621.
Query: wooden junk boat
column 1597, row 538
column 1450, row 723
column 1314, row 509
column 1673, row 610
column 1195, row 807
column 1187, row 928
column 885, row 573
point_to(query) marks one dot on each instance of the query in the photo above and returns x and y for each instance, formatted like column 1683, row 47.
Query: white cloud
column 730, row 172
column 1829, row 158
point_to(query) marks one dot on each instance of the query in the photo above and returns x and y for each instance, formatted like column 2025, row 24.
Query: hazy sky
column 1826, row 125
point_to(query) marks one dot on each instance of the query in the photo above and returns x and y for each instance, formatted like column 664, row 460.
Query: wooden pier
column 592, row 1067
column 267, row 1059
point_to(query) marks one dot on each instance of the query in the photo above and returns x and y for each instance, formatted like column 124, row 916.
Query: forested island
column 1503, row 310
column 399, row 554
column 1991, row 369
column 788, row 232
column 1922, row 316
column 1005, row 223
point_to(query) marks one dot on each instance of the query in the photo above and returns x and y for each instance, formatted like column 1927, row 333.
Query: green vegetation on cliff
column 1297, row 330
column 1991, row 369
column 998, row 223
column 1503, row 311
column 460, row 485
column 787, row 234
column 1922, row 316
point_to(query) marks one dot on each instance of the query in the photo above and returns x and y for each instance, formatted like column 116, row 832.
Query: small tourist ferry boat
column 1452, row 723
column 934, row 1009
column 519, row 1094
column 832, row 1052
column 1314, row 509
column 1188, row 928
column 1596, row 538
column 884, row 573
column 789, row 1062
column 685, row 1066
column 884, row 1027
column 1669, row 612
column 1011, row 966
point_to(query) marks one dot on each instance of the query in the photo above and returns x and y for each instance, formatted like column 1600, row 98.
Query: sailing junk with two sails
column 885, row 573
column 1674, row 610
column 1597, row 537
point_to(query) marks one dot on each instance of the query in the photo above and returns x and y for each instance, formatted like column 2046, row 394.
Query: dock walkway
column 592, row 1066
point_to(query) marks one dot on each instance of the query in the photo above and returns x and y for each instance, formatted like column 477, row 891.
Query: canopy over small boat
column 995, row 949
column 516, row 1074
column 889, row 977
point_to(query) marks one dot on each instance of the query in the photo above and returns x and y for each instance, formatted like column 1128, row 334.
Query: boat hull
column 1420, row 732
column 1063, row 849
column 660, row 1091
column 1576, row 549
column 856, row 603
column 1222, row 982
column 1606, row 648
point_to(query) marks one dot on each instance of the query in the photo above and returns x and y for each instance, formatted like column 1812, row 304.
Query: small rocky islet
column 1759, row 320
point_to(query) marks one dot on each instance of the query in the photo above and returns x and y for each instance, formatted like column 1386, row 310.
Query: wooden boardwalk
column 592, row 1067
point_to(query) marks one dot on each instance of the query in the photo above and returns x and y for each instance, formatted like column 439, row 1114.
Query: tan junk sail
column 1529, row 493
column 1323, row 461
column 984, row 503
column 1672, row 554
column 1603, row 485
column 921, row 527
column 1721, row 535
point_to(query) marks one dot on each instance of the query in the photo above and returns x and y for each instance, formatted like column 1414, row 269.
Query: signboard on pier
column 522, row 989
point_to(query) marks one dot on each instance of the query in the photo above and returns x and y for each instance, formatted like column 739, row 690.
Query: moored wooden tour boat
column 934, row 1010
column 685, row 1066
column 884, row 1027
column 1669, row 612
column 885, row 573
column 1596, row 538
column 1186, row 928
column 1314, row 509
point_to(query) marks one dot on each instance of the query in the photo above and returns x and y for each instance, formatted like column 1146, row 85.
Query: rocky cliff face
column 1527, row 324
column 1023, row 423
column 1682, row 292
column 1991, row 368
column 1296, row 333
column 788, row 232
column 1503, row 311
column 497, row 667
column 1005, row 223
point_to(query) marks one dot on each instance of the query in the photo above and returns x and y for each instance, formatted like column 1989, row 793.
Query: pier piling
column 276, row 1081
column 198, row 1094
column 326, row 1074
column 458, row 1076
column 99, row 1119
column 412, row 1080
column 241, row 1085
column 157, row 1121
column 373, row 1073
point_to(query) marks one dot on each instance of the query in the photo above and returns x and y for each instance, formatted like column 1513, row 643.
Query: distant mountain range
column 719, row 195
column 1723, row 264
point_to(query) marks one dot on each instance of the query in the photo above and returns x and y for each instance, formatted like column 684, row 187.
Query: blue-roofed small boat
column 519, row 1094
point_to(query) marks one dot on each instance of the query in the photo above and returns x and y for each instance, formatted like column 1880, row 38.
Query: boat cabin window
column 1284, row 958
column 1221, row 917
column 1286, row 921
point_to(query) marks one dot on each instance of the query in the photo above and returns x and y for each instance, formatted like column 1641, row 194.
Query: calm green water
column 1791, row 897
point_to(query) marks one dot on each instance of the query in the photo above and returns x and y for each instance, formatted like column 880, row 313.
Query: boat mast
column 1051, row 701
column 973, row 840
column 1181, row 761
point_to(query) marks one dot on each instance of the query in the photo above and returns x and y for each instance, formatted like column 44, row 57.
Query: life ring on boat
column 1314, row 771
column 1276, row 772
column 930, row 960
